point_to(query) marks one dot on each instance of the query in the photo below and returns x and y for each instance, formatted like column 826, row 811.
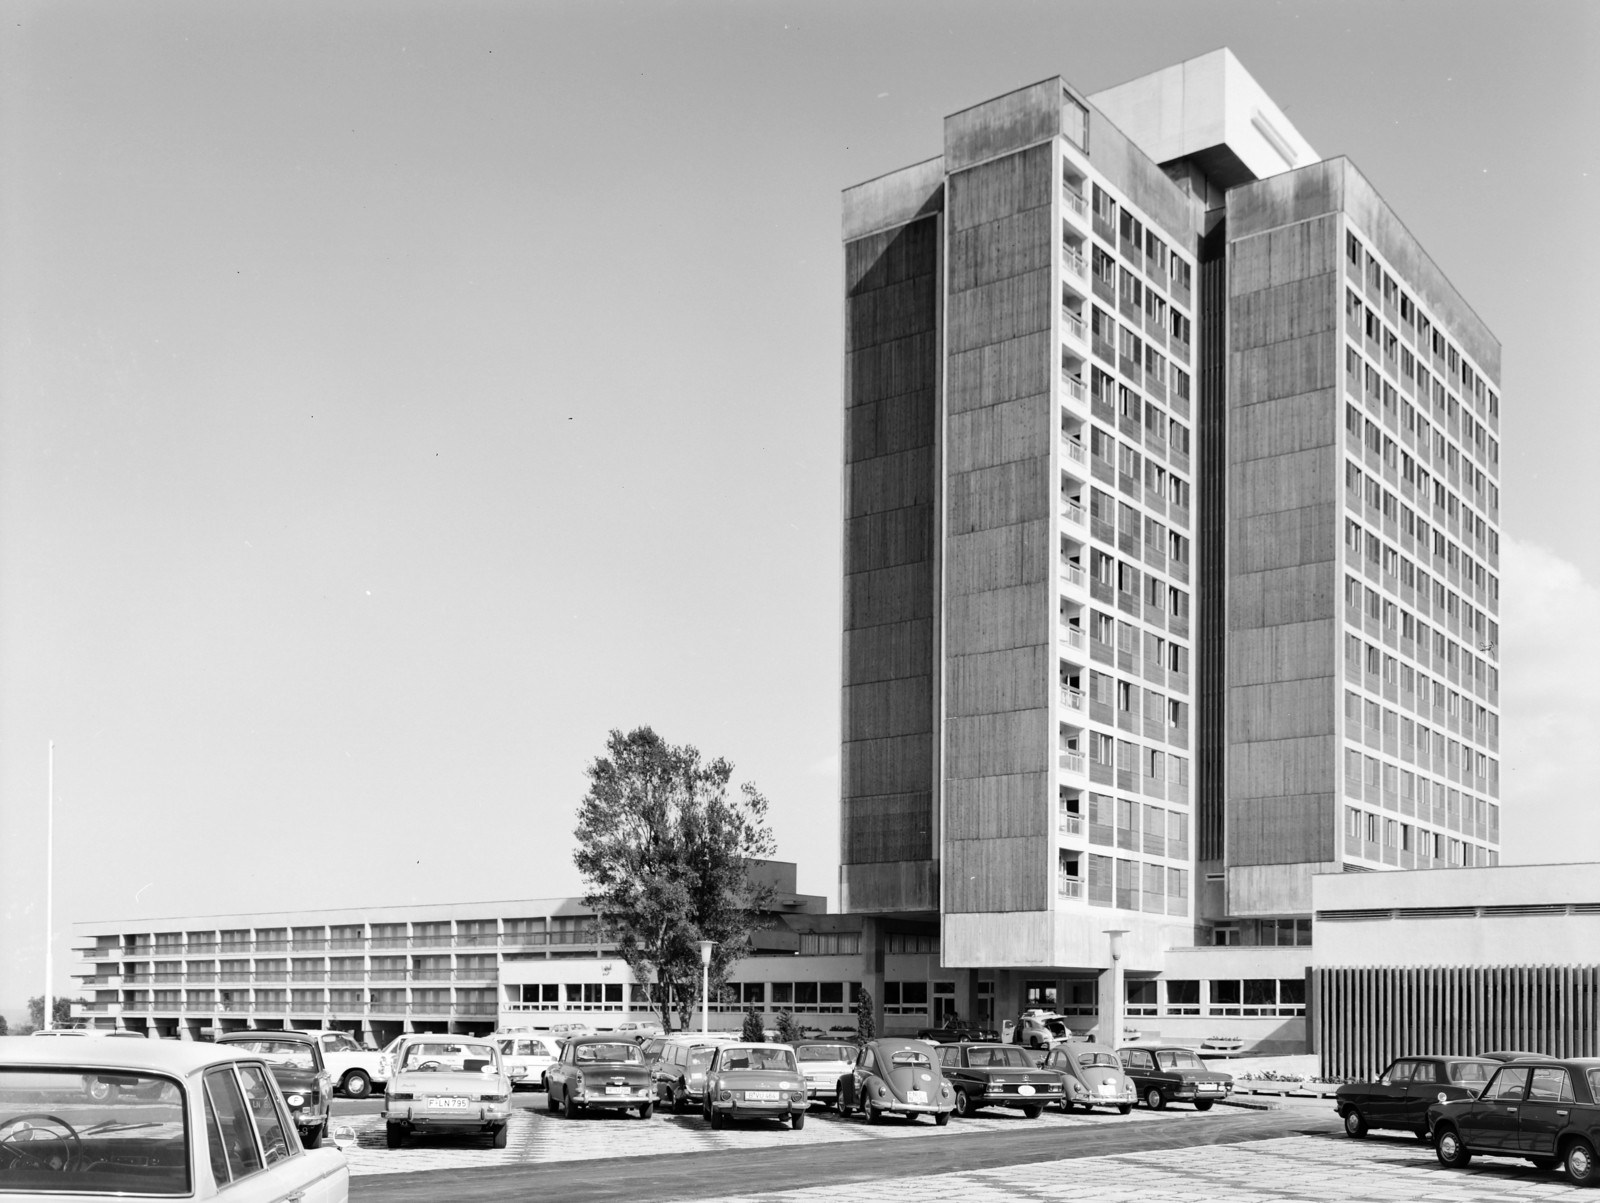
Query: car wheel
column 1452, row 1154
column 1033, row 1112
column 1203, row 1104
column 1355, row 1124
column 394, row 1135
column 101, row 1091
column 1545, row 1164
column 964, row 1106
column 1580, row 1164
column 356, row 1084
column 717, row 1119
column 679, row 1103
column 1122, row 1108
column 1154, row 1099
column 942, row 1118
column 500, row 1136
column 568, row 1107
column 873, row 1114
column 550, row 1100
column 797, row 1120
column 843, row 1108
column 544, row 1083
column 311, row 1138
column 646, row 1111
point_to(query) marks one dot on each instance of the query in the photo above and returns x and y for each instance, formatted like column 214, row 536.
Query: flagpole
column 49, row 880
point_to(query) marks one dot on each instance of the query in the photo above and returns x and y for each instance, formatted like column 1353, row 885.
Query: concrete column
column 967, row 994
column 873, row 942
column 1108, row 1030
column 1007, row 998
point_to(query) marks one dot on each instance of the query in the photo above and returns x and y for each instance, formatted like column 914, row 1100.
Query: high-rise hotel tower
column 1170, row 549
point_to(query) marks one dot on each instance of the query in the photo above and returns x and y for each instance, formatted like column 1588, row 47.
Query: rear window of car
column 621, row 1053
column 293, row 1053
column 826, row 1052
column 758, row 1058
column 1108, row 1060
column 907, row 1056
column 1168, row 1059
column 1469, row 1073
column 118, row 1133
column 998, row 1058
column 447, row 1056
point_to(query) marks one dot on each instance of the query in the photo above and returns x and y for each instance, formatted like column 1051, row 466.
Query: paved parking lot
column 537, row 1136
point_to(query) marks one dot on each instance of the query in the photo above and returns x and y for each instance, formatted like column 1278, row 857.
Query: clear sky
column 394, row 397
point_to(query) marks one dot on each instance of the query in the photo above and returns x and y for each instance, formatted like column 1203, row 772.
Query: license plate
column 1210, row 1085
column 762, row 1096
column 448, row 1104
column 916, row 1096
column 618, row 1090
column 1108, row 1088
column 1025, row 1089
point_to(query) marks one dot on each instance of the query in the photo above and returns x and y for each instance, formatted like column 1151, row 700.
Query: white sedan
column 95, row 1119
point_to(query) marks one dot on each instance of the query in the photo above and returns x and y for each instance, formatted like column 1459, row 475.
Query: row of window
column 1414, row 794
column 1138, row 238
column 1128, row 885
column 1365, row 830
column 1137, row 701
column 1158, row 427
column 1140, row 584
column 1111, row 337
column 1364, row 488
column 1459, row 371
column 1477, row 723
column 1127, row 823
column 1365, row 601
column 1150, row 764
column 1112, row 517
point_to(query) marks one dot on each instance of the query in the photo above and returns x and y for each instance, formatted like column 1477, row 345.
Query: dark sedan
column 958, row 1033
column 1162, row 1075
column 998, row 1075
column 1543, row 1111
column 297, row 1067
column 1402, row 1094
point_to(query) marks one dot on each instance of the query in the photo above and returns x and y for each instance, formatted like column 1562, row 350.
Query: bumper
column 1193, row 1096
column 615, row 1101
column 309, row 1116
column 1008, row 1099
column 1085, row 1099
column 897, row 1107
column 476, row 1116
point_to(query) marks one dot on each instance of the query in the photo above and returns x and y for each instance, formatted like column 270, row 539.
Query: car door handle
column 1560, row 1112
column 294, row 1198
column 1510, row 1108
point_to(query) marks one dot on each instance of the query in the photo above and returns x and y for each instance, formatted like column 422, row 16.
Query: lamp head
column 1116, row 934
column 705, row 951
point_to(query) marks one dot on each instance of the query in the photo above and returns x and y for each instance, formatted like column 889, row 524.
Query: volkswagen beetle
column 1093, row 1077
column 896, row 1077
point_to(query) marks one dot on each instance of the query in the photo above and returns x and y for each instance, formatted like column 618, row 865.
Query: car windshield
column 442, row 1056
column 92, row 1132
column 998, row 1056
column 826, row 1052
column 1469, row 1073
column 757, row 1058
column 609, row 1054
column 908, row 1056
column 1106, row 1059
column 1179, row 1059
column 292, row 1053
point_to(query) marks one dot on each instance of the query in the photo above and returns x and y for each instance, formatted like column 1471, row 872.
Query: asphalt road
column 709, row 1175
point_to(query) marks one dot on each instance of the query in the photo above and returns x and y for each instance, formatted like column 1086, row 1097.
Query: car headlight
column 944, row 1089
column 882, row 1090
column 1443, row 1097
column 799, row 1096
column 296, row 1100
column 725, row 1096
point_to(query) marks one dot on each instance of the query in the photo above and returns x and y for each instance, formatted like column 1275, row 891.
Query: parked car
column 640, row 1029
column 899, row 1077
column 1544, row 1111
column 1092, row 1076
column 182, row 1119
column 1400, row 1096
column 600, row 1072
column 755, row 1081
column 1039, row 1029
column 822, row 1064
column 958, row 1033
column 678, row 1074
column 297, row 1065
column 98, row 1032
column 1162, row 1075
column 354, row 1068
column 1510, row 1055
column 449, row 1084
column 527, row 1058
column 997, row 1075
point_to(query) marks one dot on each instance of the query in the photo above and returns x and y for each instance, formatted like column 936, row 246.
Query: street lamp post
column 705, row 984
column 1112, row 1035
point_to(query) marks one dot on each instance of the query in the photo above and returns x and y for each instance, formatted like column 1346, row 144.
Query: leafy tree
column 865, row 1028
column 60, row 1012
column 752, row 1030
column 5, row 1028
column 664, row 853
column 788, row 1029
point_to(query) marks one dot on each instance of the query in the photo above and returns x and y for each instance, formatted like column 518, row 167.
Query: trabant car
column 1092, row 1076
column 187, row 1119
column 447, row 1084
column 822, row 1064
column 298, row 1068
column 755, row 1081
column 997, row 1075
column 1401, row 1095
column 639, row 1030
column 354, row 1069
column 1161, row 1075
column 678, row 1073
column 896, row 1077
column 1039, row 1029
column 527, row 1058
column 600, row 1073
column 1544, row 1111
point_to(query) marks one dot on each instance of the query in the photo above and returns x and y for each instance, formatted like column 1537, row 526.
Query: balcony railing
column 1072, row 511
column 1072, row 574
column 1074, row 324
column 1074, row 262
column 1071, row 699
column 1074, row 389
column 1072, row 762
column 1070, row 823
column 1074, row 201
column 1069, row 887
column 1072, row 636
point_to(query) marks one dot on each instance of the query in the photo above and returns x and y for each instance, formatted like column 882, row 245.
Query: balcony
column 1072, row 762
column 1072, row 636
column 1069, row 887
column 96, row 1008
column 1072, row 699
column 1073, row 392
column 1072, row 511
column 100, row 979
column 1075, row 327
column 1072, row 574
column 1070, row 823
column 1074, row 203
